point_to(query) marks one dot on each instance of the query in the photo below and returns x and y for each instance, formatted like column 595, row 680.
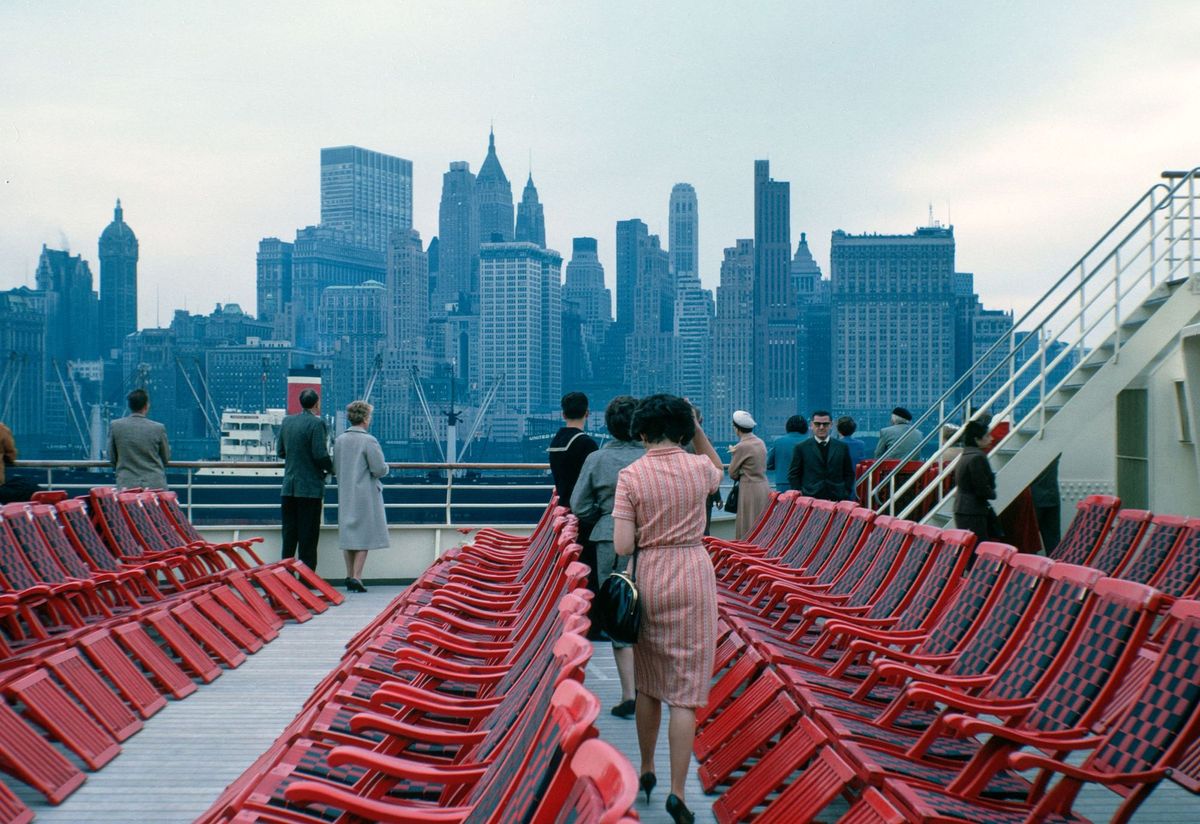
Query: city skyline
column 978, row 128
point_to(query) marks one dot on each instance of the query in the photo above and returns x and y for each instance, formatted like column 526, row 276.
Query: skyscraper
column 520, row 325
column 274, row 269
column 813, row 375
column 893, row 321
column 531, row 223
column 650, row 342
column 366, row 194
column 693, row 312
column 72, row 308
column 592, row 301
column 683, row 231
column 458, row 238
column 632, row 237
column 408, row 294
column 733, row 338
column 353, row 331
column 323, row 257
column 118, row 282
column 22, row 375
column 776, row 350
column 495, row 196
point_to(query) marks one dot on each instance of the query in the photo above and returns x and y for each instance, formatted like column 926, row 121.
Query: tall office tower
column 458, row 239
column 776, row 347
column 274, row 269
column 632, row 237
column 893, row 321
column 323, row 257
column 531, row 222
column 650, row 344
column 813, row 365
column 118, row 282
column 966, row 305
column 353, row 332
column 988, row 326
column 408, row 295
column 495, row 198
column 366, row 194
column 733, row 337
column 72, row 308
column 683, row 231
column 520, row 325
column 22, row 376
column 693, row 341
column 592, row 301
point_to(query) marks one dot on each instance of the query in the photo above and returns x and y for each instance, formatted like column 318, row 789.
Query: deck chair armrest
column 445, row 641
column 1037, row 761
column 414, row 732
column 446, row 601
column 454, row 585
column 405, row 767
column 888, row 669
column 433, row 615
column 968, row 725
column 965, row 703
column 432, row 702
column 391, row 812
column 408, row 658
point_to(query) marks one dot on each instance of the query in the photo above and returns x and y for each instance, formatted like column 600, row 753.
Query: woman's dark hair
column 663, row 417
column 618, row 415
column 846, row 426
column 797, row 424
column 973, row 432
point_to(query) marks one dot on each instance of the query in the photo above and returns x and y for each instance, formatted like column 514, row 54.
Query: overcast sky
column 1029, row 125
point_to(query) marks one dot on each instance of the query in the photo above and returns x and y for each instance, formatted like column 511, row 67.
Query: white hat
column 742, row 419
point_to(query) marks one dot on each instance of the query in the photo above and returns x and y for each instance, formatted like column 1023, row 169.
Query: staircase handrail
column 939, row 410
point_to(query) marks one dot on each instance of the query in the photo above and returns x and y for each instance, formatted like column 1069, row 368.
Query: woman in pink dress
column 659, row 508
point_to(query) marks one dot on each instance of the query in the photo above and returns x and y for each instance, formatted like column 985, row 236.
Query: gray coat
column 358, row 463
column 895, row 442
column 306, row 458
column 138, row 448
column 596, row 488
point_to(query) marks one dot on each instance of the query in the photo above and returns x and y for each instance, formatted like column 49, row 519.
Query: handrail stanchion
column 189, row 495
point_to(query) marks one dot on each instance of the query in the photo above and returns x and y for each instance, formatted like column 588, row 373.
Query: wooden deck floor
column 172, row 770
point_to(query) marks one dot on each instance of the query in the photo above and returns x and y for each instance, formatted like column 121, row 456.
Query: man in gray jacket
column 303, row 447
column 897, row 440
column 137, row 446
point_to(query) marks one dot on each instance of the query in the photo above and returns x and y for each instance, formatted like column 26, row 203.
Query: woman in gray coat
column 592, row 502
column 362, row 522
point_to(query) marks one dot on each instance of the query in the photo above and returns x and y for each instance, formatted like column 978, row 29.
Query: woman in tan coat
column 748, row 466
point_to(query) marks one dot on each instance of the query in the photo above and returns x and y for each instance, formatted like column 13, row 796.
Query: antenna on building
column 930, row 224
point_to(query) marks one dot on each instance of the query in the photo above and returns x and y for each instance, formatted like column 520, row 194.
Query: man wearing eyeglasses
column 821, row 466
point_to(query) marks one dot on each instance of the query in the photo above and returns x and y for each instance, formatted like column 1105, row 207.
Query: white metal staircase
column 1113, row 314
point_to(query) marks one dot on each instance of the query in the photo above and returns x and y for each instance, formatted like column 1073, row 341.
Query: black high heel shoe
column 648, row 782
column 678, row 811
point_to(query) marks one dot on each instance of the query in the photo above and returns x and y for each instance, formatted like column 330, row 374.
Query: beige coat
column 748, row 466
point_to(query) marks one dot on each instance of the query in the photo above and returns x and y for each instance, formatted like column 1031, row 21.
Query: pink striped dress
column 665, row 493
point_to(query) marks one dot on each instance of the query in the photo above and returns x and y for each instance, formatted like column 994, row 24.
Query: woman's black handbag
column 731, row 500
column 618, row 608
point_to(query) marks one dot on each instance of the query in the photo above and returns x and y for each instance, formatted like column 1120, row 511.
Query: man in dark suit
column 821, row 466
column 302, row 445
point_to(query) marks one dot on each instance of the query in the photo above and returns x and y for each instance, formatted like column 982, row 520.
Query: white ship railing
column 451, row 485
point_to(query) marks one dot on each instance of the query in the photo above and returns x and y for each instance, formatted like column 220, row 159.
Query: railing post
column 189, row 495
column 1192, row 225
column 449, row 493
column 1012, row 367
column 1043, row 337
column 1117, row 306
column 1153, row 238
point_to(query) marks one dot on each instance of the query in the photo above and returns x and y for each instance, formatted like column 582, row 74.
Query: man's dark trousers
column 301, row 528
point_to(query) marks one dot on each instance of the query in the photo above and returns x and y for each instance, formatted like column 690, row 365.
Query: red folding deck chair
column 1135, row 754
